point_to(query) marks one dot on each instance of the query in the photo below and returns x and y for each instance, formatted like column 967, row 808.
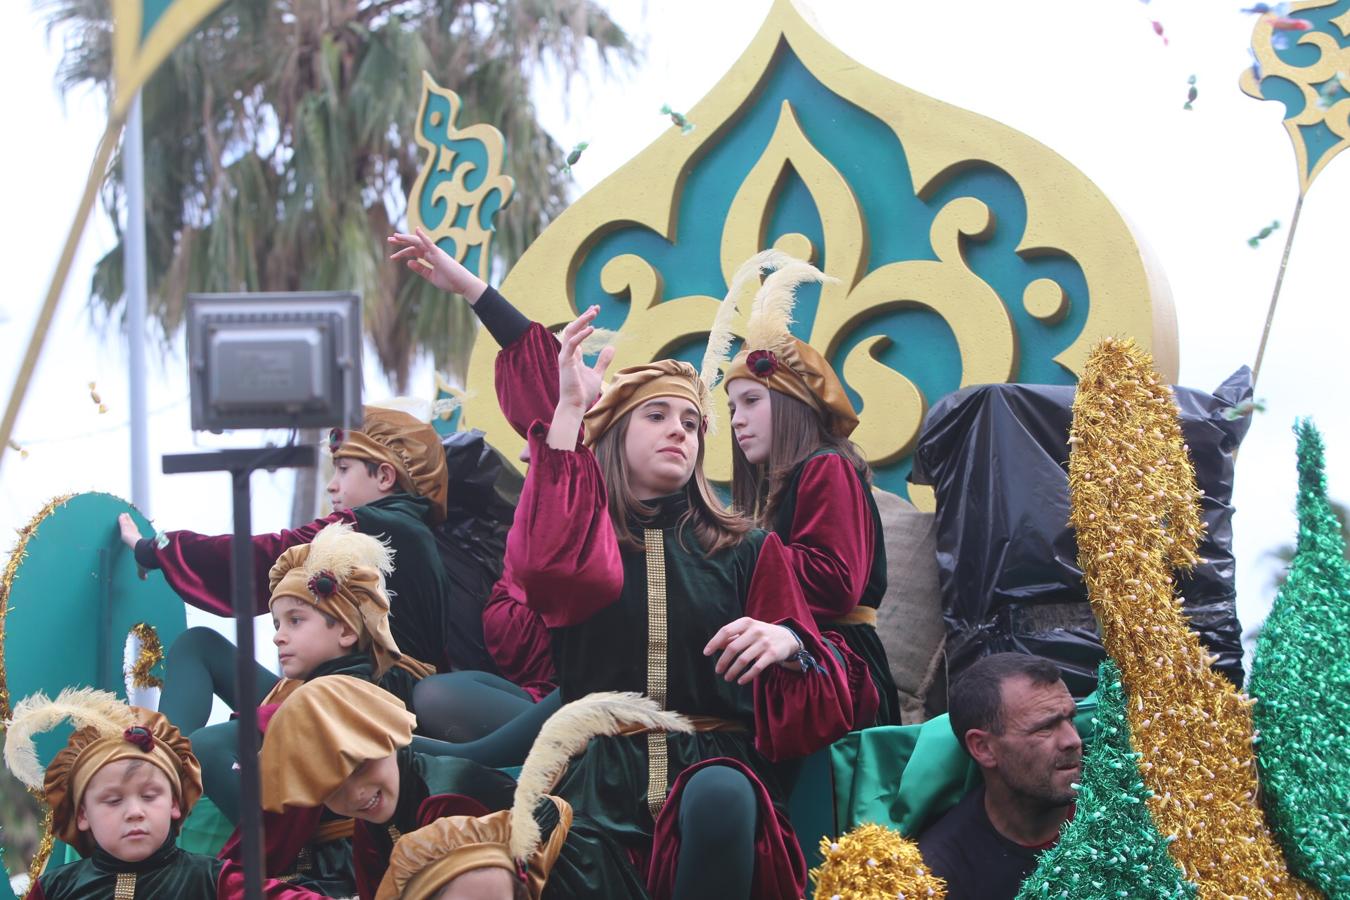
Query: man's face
column 1039, row 754
column 369, row 793
column 128, row 807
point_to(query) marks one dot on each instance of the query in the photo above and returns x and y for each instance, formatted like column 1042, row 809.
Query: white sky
column 1089, row 80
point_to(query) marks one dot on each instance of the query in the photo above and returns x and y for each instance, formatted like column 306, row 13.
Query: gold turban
column 771, row 353
column 323, row 731
column 635, row 385
column 411, row 446
column 341, row 573
column 793, row 367
column 107, row 731
column 426, row 860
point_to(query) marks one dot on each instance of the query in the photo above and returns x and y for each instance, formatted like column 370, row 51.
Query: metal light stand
column 241, row 464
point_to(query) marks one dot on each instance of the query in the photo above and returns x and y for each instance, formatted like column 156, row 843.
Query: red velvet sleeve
column 35, row 892
column 367, row 863
column 562, row 546
column 832, row 541
column 798, row 713
column 230, row 886
column 197, row 566
column 526, row 375
column 517, row 638
column 285, row 834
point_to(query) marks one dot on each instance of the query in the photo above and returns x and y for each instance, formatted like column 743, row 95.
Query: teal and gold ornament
column 1112, row 847
column 1301, row 682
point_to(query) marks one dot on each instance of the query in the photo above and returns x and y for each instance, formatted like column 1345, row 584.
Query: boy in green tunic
column 390, row 481
column 117, row 792
column 331, row 611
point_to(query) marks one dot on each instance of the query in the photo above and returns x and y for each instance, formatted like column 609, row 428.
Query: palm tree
column 279, row 148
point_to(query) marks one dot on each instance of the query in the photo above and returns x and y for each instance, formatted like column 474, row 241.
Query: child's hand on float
column 128, row 531
column 748, row 647
column 421, row 255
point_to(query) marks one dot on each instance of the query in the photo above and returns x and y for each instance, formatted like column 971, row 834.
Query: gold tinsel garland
column 874, row 863
column 1136, row 517
column 151, row 655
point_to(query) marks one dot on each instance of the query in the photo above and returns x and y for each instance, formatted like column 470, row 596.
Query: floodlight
column 274, row 360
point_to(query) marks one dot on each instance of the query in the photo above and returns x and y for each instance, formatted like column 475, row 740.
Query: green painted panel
column 73, row 599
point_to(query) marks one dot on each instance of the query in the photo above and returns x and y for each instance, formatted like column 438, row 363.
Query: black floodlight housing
column 282, row 360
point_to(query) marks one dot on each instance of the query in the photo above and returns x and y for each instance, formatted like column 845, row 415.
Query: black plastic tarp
column 997, row 458
column 481, row 504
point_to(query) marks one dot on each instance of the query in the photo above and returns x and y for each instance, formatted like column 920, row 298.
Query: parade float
column 1009, row 341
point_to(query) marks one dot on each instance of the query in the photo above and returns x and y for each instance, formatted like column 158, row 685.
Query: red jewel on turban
column 323, row 585
column 139, row 736
column 335, row 438
column 762, row 362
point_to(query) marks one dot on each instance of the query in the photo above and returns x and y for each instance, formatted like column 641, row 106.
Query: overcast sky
column 1088, row 79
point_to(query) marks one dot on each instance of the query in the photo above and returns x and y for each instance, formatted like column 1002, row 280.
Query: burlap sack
column 909, row 621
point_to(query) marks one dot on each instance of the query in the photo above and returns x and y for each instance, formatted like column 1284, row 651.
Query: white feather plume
column 340, row 549
column 723, row 328
column 564, row 735
column 771, row 314
column 84, row 707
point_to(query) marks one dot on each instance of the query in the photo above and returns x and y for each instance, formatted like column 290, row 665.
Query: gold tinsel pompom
column 151, row 655
column 874, row 863
column 1136, row 515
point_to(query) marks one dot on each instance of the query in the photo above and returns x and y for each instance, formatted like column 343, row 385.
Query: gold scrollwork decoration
column 1312, row 81
column 465, row 230
column 1066, row 215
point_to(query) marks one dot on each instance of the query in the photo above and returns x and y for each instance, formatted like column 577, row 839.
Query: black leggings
column 200, row 664
column 717, row 814
column 477, row 716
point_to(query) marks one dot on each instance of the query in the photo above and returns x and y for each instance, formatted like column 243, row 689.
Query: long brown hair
column 715, row 526
column 797, row 432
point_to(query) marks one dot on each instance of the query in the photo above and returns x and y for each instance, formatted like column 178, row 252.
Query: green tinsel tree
column 1112, row 848
column 1301, row 681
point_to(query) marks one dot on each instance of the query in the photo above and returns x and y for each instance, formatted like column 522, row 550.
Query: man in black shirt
column 1012, row 713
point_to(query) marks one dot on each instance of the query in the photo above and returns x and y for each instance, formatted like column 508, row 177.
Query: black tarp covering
column 481, row 503
column 997, row 458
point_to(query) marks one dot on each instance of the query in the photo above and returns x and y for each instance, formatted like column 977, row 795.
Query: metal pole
column 133, row 255
column 245, row 684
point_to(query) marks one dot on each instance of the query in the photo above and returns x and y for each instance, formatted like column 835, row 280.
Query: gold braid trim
column 151, row 655
column 1135, row 514
column 658, row 776
column 126, row 886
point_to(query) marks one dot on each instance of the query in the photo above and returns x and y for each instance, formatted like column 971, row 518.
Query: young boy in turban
column 344, row 744
column 390, row 480
column 331, row 612
column 117, row 792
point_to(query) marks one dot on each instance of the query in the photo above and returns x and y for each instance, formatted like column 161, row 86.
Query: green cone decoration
column 1301, row 681
column 1111, row 848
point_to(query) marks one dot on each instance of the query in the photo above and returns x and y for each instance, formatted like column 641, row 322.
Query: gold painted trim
column 658, row 775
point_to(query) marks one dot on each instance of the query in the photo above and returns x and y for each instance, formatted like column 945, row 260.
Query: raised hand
column 748, row 647
column 578, row 383
column 421, row 255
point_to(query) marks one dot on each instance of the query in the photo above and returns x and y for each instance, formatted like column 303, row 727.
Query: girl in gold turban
column 794, row 468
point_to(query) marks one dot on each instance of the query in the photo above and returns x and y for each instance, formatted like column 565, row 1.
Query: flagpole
column 133, row 256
